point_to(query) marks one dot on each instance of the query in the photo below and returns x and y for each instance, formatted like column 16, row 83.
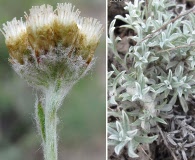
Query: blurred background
column 82, row 127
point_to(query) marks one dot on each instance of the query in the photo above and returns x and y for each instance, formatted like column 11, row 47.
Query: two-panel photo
column 97, row 80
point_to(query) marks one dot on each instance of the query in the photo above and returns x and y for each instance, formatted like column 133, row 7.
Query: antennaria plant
column 152, row 86
column 52, row 50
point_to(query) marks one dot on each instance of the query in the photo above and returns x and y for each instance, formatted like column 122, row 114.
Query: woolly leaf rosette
column 52, row 46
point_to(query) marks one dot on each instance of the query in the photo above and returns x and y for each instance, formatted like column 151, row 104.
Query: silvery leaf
column 112, row 100
column 112, row 142
column 119, row 126
column 183, row 104
column 146, row 139
column 132, row 133
column 160, row 120
column 179, row 70
column 119, row 147
column 151, row 59
column 131, row 152
column 110, row 74
column 125, row 120
column 114, row 137
column 111, row 130
column 171, row 64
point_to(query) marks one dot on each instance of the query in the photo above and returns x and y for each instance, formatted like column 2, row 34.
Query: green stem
column 50, row 145
column 46, row 116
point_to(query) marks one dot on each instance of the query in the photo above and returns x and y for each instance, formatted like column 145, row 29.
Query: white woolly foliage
column 153, row 81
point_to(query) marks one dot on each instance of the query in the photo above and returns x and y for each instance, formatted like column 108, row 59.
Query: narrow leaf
column 41, row 119
column 119, row 147
column 125, row 121
column 160, row 120
column 131, row 152
column 145, row 139
column 183, row 104
column 112, row 131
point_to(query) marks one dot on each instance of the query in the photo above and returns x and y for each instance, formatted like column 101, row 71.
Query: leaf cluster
column 158, row 71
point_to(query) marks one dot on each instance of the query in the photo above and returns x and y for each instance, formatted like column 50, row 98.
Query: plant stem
column 178, row 47
column 51, row 135
column 46, row 116
column 51, row 105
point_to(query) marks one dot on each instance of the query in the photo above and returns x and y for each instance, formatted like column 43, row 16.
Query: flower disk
column 52, row 45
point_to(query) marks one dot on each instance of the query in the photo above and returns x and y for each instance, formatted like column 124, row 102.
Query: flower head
column 16, row 39
column 52, row 45
column 65, row 26
column 89, row 35
column 39, row 26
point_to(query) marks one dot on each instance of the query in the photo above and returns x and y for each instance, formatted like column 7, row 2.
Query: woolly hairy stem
column 52, row 102
column 178, row 47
